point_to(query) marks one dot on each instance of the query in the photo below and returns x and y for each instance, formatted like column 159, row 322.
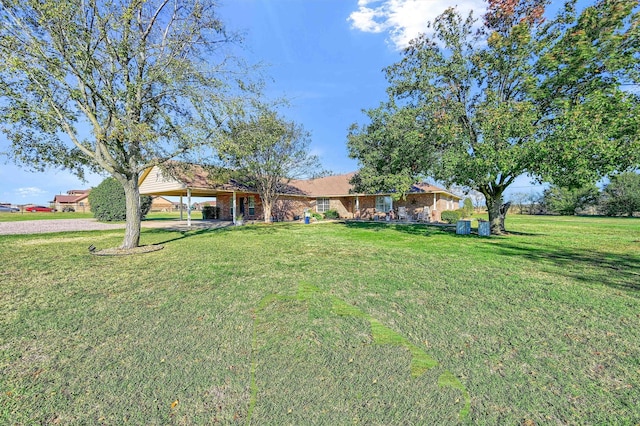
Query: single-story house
column 76, row 199
column 423, row 202
column 161, row 204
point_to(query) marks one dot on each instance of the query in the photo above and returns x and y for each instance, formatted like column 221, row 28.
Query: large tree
column 568, row 201
column 114, row 85
column 479, row 107
column 622, row 195
column 265, row 151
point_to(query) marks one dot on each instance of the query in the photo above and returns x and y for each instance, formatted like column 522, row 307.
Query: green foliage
column 622, row 195
column 211, row 212
column 67, row 209
column 266, row 152
column 317, row 216
column 523, row 95
column 151, row 78
column 451, row 216
column 467, row 206
column 331, row 214
column 107, row 201
column 566, row 201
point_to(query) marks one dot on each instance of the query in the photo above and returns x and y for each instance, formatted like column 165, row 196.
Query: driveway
column 72, row 225
column 55, row 225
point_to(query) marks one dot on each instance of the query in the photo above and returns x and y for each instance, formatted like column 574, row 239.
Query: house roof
column 339, row 185
column 159, row 198
column 70, row 199
column 328, row 186
column 197, row 177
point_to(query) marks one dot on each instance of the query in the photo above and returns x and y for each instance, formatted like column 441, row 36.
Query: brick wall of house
column 414, row 203
column 225, row 203
column 287, row 209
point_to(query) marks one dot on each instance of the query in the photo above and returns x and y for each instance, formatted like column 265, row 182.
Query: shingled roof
column 196, row 177
column 339, row 186
column 328, row 186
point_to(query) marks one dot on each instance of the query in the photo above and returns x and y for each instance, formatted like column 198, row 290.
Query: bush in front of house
column 451, row 216
column 69, row 209
column 108, row 204
column 211, row 212
column 317, row 216
column 331, row 214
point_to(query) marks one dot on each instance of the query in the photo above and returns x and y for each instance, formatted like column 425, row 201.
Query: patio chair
column 423, row 215
column 402, row 214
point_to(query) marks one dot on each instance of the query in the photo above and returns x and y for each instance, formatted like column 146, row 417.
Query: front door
column 241, row 202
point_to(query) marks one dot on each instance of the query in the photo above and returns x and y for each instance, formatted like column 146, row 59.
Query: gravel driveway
column 67, row 225
column 55, row 225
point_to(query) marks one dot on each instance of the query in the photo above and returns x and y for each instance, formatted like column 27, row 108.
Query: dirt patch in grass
column 116, row 251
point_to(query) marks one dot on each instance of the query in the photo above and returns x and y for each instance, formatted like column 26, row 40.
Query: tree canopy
column 479, row 107
column 117, row 85
column 569, row 201
column 622, row 195
column 265, row 152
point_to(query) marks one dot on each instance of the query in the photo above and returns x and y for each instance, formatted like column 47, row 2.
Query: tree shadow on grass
column 261, row 228
column 420, row 229
column 182, row 234
column 425, row 229
column 619, row 271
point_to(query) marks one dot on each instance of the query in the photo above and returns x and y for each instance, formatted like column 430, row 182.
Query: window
column 322, row 205
column 252, row 205
column 383, row 203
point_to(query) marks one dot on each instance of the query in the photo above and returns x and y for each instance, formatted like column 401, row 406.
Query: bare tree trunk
column 267, row 207
column 496, row 219
column 132, row 199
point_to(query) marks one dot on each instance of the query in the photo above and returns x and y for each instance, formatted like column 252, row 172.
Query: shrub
column 211, row 212
column 567, row 202
column 108, row 204
column 467, row 206
column 66, row 209
column 317, row 216
column 451, row 216
column 622, row 195
column 463, row 213
column 331, row 214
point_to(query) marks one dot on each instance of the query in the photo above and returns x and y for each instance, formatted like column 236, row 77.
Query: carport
column 189, row 181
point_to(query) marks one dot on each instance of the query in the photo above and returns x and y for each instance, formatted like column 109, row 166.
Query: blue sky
column 325, row 56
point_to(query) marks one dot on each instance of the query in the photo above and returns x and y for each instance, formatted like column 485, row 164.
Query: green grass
column 325, row 324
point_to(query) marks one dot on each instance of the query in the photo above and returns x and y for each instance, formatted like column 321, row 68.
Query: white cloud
column 404, row 20
column 30, row 191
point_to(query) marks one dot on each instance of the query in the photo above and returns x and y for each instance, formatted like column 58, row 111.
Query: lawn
column 357, row 323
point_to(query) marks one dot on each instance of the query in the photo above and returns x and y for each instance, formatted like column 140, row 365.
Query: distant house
column 161, row 204
column 423, row 202
column 200, row 206
column 76, row 199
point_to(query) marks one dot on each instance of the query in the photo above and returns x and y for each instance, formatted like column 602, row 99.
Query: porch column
column 357, row 204
column 233, row 213
column 434, row 201
column 180, row 207
column 188, row 207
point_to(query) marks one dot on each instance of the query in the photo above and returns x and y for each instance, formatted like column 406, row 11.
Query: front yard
column 325, row 324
